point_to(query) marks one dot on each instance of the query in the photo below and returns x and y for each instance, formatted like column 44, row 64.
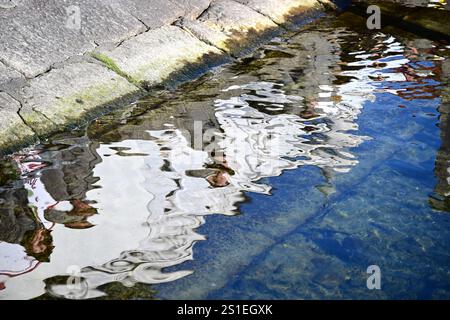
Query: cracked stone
column 52, row 101
column 155, row 13
column 241, row 25
column 153, row 57
column 193, row 8
column 202, row 32
column 49, row 42
column 280, row 10
column 230, row 16
column 12, row 128
column 10, row 78
column 36, row 34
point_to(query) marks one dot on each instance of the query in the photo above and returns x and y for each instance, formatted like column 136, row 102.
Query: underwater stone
column 431, row 19
column 416, row 16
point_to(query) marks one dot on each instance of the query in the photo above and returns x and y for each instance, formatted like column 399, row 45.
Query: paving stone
column 241, row 25
column 280, row 10
column 7, row 4
column 46, row 47
column 230, row 16
column 66, row 95
column 12, row 128
column 36, row 34
column 193, row 8
column 154, row 56
column 205, row 34
column 154, row 13
column 10, row 78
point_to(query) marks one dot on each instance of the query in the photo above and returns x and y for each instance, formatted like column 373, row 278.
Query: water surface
column 281, row 176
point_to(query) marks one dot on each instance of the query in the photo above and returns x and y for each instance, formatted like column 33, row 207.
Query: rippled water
column 283, row 175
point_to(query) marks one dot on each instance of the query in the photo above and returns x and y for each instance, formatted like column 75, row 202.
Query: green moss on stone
column 68, row 111
column 112, row 65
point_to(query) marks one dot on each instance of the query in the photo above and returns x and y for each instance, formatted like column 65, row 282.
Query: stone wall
column 63, row 62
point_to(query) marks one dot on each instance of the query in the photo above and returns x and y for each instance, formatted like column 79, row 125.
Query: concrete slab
column 154, row 13
column 280, row 10
column 12, row 128
column 10, row 79
column 36, row 34
column 193, row 8
column 202, row 32
column 236, row 25
column 240, row 24
column 67, row 95
column 229, row 16
column 154, row 56
column 46, row 47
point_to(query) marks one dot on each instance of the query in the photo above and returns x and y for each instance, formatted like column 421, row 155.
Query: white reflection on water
column 152, row 201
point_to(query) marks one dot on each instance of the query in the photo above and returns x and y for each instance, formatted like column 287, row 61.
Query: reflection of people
column 64, row 180
column 15, row 261
column 419, row 71
column 440, row 198
column 220, row 175
column 219, row 179
column 38, row 244
column 75, row 217
column 24, row 240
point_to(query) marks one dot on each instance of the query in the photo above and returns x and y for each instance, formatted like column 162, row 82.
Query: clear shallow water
column 284, row 175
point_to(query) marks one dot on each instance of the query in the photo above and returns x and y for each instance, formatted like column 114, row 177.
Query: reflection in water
column 439, row 4
column 440, row 199
column 123, row 202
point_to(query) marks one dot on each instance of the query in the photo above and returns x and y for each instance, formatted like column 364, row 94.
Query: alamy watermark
column 73, row 17
column 77, row 287
column 374, row 20
column 374, row 280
